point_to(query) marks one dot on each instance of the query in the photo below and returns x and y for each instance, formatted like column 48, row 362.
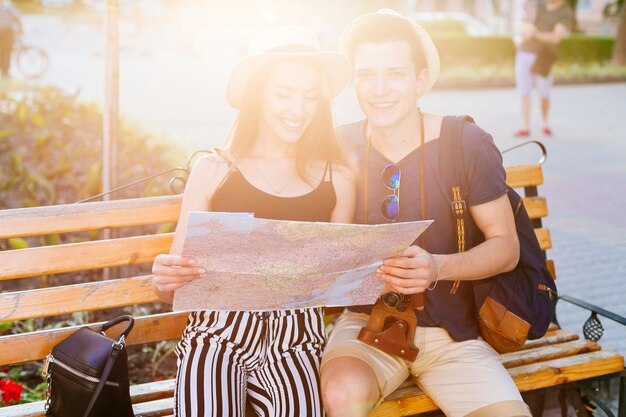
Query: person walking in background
column 400, row 177
column 282, row 162
column 10, row 27
column 542, row 30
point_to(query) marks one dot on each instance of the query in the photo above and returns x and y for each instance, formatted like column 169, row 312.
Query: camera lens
column 392, row 299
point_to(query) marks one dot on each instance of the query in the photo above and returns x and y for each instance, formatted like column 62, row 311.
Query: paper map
column 258, row 264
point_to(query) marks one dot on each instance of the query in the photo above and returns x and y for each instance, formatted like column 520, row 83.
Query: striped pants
column 269, row 360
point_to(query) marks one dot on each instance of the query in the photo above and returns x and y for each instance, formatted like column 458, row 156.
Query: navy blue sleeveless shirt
column 486, row 182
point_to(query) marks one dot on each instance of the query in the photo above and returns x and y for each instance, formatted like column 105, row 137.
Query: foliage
column 11, row 392
column 504, row 75
column 490, row 50
column 585, row 49
column 50, row 151
column 14, row 392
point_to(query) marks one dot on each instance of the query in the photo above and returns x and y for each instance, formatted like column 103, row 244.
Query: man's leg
column 465, row 378
column 544, row 85
column 545, row 110
column 356, row 376
column 349, row 387
column 525, row 122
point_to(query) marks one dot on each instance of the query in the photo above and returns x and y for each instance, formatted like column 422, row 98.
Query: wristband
column 433, row 284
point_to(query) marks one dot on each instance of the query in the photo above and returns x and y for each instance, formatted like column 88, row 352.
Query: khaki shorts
column 460, row 377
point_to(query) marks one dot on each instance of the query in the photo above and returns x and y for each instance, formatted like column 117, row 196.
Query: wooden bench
column 557, row 360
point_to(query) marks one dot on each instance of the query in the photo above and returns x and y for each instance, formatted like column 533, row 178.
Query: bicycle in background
column 29, row 60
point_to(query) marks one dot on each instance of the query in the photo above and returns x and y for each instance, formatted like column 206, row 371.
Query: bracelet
column 433, row 284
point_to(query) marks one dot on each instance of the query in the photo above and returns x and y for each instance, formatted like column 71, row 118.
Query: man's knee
column 503, row 409
column 349, row 387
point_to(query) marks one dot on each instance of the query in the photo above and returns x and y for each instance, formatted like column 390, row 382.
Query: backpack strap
column 451, row 157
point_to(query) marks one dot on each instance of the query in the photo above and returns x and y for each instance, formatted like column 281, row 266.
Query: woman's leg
column 212, row 369
column 287, row 383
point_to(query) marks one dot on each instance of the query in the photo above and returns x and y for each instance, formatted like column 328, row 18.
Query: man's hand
column 410, row 273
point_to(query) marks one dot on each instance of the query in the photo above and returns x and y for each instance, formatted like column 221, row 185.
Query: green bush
column 50, row 153
column 586, row 49
column 499, row 50
column 51, row 146
column 470, row 51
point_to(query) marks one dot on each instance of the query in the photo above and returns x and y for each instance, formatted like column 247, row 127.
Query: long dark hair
column 318, row 141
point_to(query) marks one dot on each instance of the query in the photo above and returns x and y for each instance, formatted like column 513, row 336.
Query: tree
column 619, row 50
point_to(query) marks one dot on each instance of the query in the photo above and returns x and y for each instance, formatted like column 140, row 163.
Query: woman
column 281, row 163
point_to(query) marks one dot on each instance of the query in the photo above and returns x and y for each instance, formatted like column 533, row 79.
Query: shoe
column 546, row 131
column 522, row 133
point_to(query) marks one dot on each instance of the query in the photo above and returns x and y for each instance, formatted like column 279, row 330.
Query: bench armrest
column 592, row 329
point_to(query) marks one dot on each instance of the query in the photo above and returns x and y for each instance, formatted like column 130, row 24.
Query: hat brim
column 431, row 55
column 335, row 66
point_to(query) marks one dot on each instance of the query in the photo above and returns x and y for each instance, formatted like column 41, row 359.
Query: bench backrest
column 36, row 299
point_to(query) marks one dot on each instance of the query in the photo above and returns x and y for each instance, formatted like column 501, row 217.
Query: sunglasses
column 390, row 207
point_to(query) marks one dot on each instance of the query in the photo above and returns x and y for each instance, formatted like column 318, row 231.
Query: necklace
column 277, row 191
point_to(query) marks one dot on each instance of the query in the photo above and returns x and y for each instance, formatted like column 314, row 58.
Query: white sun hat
column 284, row 42
column 371, row 20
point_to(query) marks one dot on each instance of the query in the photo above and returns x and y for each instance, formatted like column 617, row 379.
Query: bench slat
column 551, row 268
column 61, row 218
column 154, row 399
column 520, row 176
column 82, row 256
column 544, row 353
column 552, row 337
column 65, row 299
column 108, row 253
column 536, row 207
column 543, row 236
column 151, row 391
column 32, row 346
column 23, row 410
column 564, row 370
column 411, row 400
column 156, row 408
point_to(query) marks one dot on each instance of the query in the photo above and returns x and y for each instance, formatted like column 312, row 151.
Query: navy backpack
column 513, row 306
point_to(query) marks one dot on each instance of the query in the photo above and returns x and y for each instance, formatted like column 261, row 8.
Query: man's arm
column 416, row 269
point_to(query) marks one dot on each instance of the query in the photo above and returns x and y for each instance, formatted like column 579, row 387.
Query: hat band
column 295, row 48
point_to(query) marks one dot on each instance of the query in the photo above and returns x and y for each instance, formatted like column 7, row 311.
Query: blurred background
column 175, row 55
column 59, row 104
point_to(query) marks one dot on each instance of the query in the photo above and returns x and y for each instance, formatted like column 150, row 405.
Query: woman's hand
column 171, row 272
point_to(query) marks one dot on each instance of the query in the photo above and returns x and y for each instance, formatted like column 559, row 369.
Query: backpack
column 87, row 374
column 512, row 306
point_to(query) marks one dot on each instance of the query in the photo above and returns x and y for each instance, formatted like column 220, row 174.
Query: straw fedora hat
column 279, row 43
column 370, row 20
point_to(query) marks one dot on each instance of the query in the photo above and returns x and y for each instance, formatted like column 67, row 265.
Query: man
column 395, row 63
column 537, row 48
column 10, row 25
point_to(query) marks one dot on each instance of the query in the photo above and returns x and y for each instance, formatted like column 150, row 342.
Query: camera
column 394, row 299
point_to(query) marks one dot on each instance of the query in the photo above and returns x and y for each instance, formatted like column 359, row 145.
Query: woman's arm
column 172, row 271
column 345, row 189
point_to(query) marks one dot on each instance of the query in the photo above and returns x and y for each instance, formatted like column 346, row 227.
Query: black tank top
column 237, row 195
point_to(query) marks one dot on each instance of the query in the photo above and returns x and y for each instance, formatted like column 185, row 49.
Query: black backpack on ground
column 512, row 306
